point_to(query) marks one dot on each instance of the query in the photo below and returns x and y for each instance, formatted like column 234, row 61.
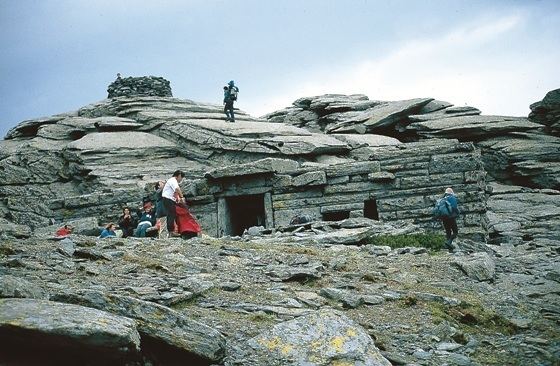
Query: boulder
column 86, row 226
column 478, row 266
column 11, row 230
column 11, row 286
column 547, row 111
column 28, row 324
column 325, row 337
column 156, row 322
column 384, row 116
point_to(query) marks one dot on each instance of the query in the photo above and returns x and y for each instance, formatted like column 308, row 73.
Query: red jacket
column 63, row 232
column 185, row 221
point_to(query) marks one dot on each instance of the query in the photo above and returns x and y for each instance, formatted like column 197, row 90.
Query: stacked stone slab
column 515, row 150
column 139, row 86
column 396, row 183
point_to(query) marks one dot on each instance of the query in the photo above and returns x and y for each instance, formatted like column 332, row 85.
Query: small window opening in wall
column 370, row 209
column 336, row 216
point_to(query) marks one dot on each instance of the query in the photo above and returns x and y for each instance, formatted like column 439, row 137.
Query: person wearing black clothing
column 172, row 195
column 450, row 222
column 127, row 223
column 230, row 96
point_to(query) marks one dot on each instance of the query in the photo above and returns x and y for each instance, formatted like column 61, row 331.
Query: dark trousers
column 451, row 230
column 169, row 206
column 228, row 110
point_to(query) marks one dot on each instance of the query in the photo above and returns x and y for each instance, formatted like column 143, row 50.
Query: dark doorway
column 244, row 212
column 336, row 216
column 370, row 209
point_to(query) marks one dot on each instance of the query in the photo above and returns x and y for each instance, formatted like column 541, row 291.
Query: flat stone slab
column 467, row 127
column 253, row 137
column 366, row 140
column 107, row 141
column 70, row 325
column 262, row 166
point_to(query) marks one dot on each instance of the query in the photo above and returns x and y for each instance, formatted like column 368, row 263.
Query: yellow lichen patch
column 271, row 344
column 351, row 332
column 286, row 349
column 337, row 343
column 233, row 259
column 342, row 363
column 315, row 344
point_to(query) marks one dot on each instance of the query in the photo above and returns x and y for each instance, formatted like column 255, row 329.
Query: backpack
column 233, row 91
column 442, row 209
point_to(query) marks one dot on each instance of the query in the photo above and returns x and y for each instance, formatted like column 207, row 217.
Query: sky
column 59, row 55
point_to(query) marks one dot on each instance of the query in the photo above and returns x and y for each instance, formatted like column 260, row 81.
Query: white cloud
column 462, row 66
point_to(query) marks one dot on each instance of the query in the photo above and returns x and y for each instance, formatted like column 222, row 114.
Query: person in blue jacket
column 109, row 231
column 450, row 221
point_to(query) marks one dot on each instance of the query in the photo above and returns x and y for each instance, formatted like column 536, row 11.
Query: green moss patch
column 430, row 241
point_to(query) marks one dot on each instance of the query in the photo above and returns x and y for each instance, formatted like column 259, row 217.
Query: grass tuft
column 429, row 241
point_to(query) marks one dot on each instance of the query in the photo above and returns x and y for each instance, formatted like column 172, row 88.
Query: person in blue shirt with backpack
column 447, row 210
column 230, row 96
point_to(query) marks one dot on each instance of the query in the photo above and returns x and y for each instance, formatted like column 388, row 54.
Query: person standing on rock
column 161, row 215
column 230, row 96
column 171, row 190
column 449, row 217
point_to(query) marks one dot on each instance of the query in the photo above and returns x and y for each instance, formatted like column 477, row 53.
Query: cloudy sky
column 59, row 55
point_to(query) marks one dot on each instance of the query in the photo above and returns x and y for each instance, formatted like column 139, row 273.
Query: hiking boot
column 174, row 235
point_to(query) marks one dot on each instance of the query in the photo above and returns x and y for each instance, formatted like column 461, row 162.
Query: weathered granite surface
column 409, row 304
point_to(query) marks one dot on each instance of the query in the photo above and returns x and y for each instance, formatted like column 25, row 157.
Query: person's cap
column 449, row 190
column 231, row 82
column 148, row 204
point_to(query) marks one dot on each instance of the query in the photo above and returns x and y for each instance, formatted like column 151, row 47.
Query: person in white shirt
column 172, row 195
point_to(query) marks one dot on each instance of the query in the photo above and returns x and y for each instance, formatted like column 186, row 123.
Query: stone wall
column 139, row 86
column 397, row 183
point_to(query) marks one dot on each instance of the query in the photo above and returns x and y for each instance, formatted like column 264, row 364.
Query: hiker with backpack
column 230, row 96
column 447, row 210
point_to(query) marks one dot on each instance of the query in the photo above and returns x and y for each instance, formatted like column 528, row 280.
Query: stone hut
column 395, row 183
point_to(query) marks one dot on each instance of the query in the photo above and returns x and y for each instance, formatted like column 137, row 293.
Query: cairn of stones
column 151, row 86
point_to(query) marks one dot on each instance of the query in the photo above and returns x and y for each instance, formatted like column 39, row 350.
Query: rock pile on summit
column 150, row 86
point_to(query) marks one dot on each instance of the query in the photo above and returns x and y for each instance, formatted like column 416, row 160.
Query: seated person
column 64, row 231
column 147, row 221
column 109, row 231
column 127, row 223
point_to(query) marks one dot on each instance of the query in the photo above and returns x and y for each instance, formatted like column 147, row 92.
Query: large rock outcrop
column 515, row 150
column 547, row 111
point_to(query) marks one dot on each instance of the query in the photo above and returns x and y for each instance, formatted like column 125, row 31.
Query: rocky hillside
column 336, row 291
column 288, row 299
